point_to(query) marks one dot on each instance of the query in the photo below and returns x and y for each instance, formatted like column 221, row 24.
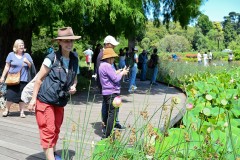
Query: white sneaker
column 94, row 76
column 134, row 87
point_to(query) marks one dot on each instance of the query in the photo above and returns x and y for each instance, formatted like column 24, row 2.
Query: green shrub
column 38, row 57
column 220, row 55
column 39, row 50
column 237, row 54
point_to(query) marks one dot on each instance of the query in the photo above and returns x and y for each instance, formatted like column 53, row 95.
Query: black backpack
column 150, row 63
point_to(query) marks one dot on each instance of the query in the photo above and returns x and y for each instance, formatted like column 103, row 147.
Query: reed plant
column 209, row 128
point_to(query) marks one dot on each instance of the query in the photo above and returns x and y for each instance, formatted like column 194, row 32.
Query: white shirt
column 199, row 56
column 205, row 56
column 210, row 55
column 135, row 57
column 88, row 53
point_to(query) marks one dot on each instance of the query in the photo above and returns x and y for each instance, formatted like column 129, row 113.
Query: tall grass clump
column 209, row 129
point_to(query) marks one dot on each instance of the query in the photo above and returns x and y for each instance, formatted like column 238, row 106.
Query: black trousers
column 111, row 114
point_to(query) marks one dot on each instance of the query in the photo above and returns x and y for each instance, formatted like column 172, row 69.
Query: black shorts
column 14, row 92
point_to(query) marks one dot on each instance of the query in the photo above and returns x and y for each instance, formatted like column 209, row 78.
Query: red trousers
column 49, row 119
column 87, row 58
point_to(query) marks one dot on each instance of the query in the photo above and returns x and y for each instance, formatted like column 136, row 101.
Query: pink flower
column 117, row 102
column 189, row 106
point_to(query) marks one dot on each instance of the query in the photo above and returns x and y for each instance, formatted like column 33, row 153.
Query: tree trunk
column 131, row 43
column 8, row 35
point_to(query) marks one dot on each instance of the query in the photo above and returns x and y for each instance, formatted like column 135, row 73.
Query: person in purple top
column 110, row 81
column 109, row 42
column 16, row 61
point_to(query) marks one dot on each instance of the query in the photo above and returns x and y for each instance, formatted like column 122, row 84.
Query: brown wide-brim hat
column 66, row 33
column 109, row 53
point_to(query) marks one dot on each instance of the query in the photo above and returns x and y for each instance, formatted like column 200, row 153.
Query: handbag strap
column 22, row 63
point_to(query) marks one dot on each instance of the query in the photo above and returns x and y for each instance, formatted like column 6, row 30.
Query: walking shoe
column 133, row 88
column 57, row 157
column 5, row 113
column 103, row 137
column 104, row 130
column 22, row 115
column 94, row 76
column 130, row 91
column 119, row 127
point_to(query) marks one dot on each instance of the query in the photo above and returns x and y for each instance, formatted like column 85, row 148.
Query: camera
column 63, row 94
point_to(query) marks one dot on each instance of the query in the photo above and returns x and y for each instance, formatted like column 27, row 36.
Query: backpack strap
column 53, row 57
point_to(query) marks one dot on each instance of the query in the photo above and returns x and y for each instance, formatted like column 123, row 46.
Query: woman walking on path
column 133, row 70
column 155, row 60
column 17, row 61
column 88, row 53
column 56, row 80
column 110, row 81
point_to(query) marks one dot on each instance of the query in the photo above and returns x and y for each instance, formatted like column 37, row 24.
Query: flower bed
column 190, row 55
column 209, row 130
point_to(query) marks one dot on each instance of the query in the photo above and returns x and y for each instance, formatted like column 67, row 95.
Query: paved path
column 19, row 138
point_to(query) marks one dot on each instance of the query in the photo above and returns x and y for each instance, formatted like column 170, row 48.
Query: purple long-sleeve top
column 110, row 81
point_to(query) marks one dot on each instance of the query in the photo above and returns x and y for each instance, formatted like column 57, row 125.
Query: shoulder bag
column 13, row 78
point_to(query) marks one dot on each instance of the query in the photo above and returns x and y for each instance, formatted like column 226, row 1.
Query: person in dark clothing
column 95, row 55
column 142, row 65
column 155, row 60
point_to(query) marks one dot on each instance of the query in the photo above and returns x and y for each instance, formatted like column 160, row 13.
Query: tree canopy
column 205, row 24
column 93, row 19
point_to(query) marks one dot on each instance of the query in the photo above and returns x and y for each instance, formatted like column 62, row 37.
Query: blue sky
column 217, row 9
